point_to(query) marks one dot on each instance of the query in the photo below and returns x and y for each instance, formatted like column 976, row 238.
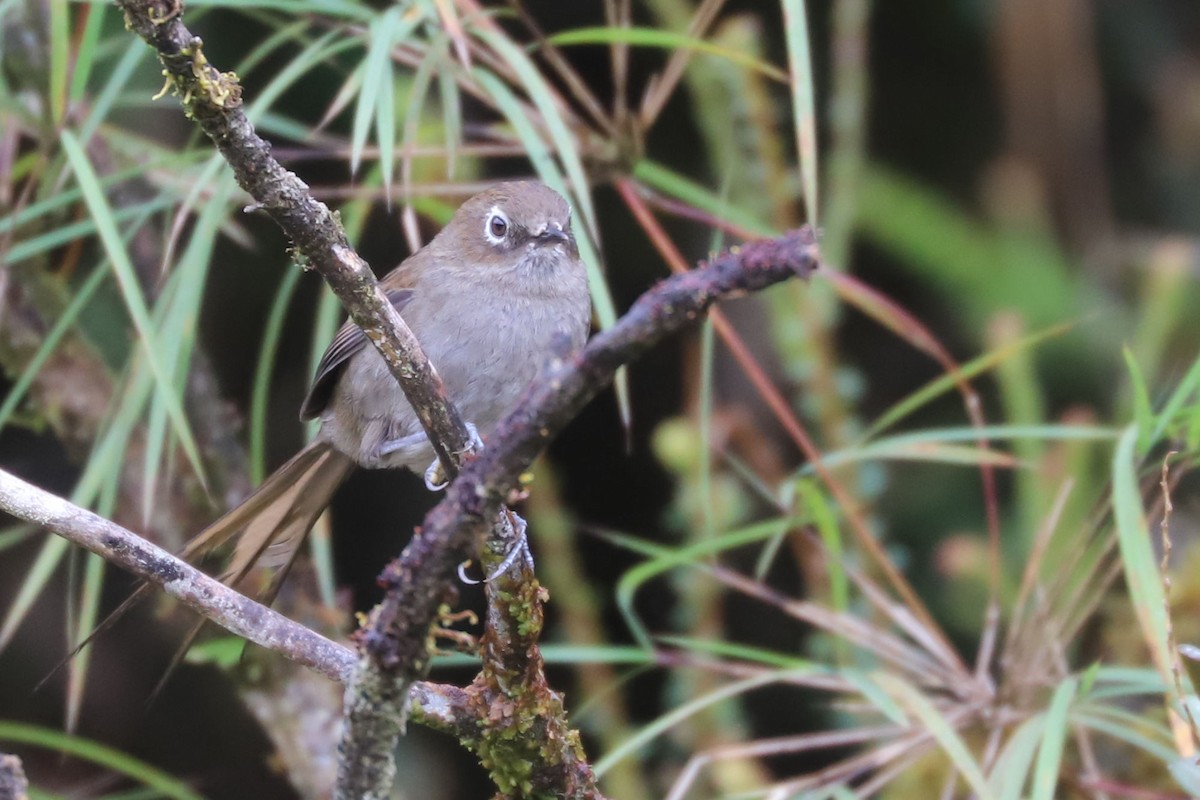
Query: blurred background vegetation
column 899, row 532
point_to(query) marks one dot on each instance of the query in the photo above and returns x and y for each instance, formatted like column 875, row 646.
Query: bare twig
column 444, row 708
column 179, row 579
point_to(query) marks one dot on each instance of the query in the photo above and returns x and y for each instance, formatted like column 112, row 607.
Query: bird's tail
column 272, row 521
column 275, row 519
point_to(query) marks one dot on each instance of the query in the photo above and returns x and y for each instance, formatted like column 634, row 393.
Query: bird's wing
column 348, row 341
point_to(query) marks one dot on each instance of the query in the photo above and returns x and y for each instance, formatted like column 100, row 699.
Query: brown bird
column 489, row 298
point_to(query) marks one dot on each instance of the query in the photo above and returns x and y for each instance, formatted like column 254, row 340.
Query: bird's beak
column 553, row 236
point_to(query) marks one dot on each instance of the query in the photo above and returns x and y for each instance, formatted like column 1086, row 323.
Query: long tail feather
column 272, row 537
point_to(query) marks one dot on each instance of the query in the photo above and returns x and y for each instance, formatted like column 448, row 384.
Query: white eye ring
column 495, row 227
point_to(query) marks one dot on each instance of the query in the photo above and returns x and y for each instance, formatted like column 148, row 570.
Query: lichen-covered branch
column 560, row 392
column 395, row 638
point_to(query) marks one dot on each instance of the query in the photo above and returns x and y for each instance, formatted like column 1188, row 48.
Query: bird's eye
column 497, row 226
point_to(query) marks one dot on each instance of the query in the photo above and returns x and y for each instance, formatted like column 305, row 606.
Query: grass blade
column 452, row 120
column 1143, row 413
column 1137, row 556
column 1054, row 736
column 131, row 291
column 376, row 66
column 60, row 58
column 948, row 382
column 817, row 507
column 260, row 393
column 666, row 40
column 342, row 9
column 175, row 319
column 88, row 609
column 1011, row 770
column 99, row 754
column 377, row 95
column 795, row 25
column 939, row 727
column 64, row 323
column 668, row 559
column 681, row 188
column 85, row 59
column 677, row 715
column 35, row 579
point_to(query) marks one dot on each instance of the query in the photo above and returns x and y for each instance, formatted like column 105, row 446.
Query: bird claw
column 520, row 550
column 435, row 476
column 474, row 441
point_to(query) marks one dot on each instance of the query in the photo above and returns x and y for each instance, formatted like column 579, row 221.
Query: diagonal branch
column 561, row 391
column 213, row 99
column 440, row 707
column 396, row 637
column 218, row 602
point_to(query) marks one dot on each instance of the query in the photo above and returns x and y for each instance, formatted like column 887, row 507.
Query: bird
column 490, row 298
column 498, row 292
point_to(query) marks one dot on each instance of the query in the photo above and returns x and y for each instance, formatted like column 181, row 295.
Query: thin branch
column 215, row 600
column 213, row 100
column 440, row 707
column 561, row 392
column 395, row 638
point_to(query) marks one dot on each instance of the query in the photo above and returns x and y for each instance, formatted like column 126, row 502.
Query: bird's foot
column 519, row 550
column 389, row 446
column 435, row 476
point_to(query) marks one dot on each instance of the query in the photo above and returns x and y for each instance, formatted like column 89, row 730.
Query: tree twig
column 440, row 707
column 213, row 99
column 179, row 579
